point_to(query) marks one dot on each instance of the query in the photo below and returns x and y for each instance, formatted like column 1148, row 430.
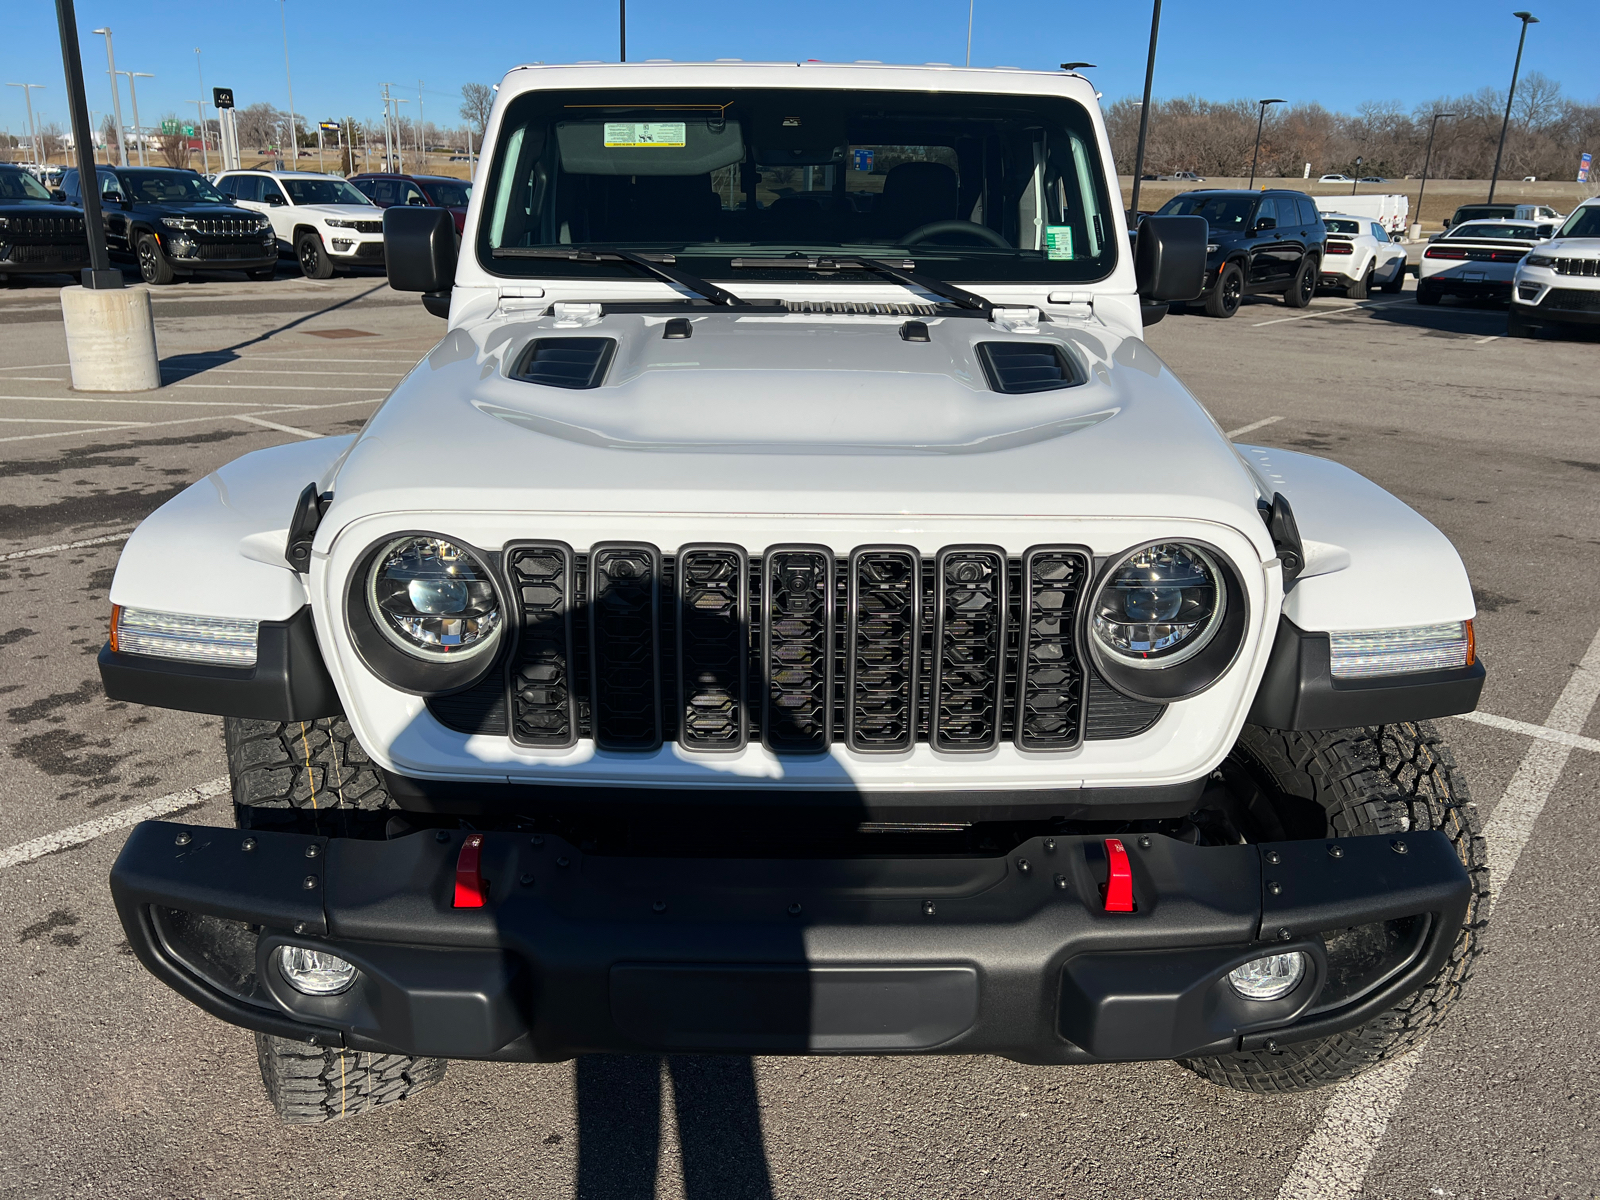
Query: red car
column 423, row 191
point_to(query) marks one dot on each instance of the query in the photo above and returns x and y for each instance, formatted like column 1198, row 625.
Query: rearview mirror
column 419, row 253
column 1169, row 258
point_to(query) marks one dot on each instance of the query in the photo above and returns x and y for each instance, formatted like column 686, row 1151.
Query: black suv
column 37, row 236
column 1269, row 241
column 172, row 222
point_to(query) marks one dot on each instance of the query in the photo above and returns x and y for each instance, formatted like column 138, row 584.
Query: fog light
column 315, row 972
column 342, row 245
column 1269, row 978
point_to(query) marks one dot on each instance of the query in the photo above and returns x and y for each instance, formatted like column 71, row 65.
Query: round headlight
column 433, row 599
column 1159, row 605
column 1269, row 978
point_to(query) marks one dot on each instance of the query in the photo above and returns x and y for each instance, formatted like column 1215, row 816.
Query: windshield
column 19, row 185
column 1489, row 231
column 449, row 194
column 322, row 191
column 975, row 187
column 168, row 187
column 1584, row 223
column 1335, row 225
column 1220, row 212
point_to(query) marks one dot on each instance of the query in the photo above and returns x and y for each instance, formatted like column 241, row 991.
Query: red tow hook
column 1119, row 884
column 470, row 888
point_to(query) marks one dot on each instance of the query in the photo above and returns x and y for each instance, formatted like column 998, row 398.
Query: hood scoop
column 1022, row 367
column 566, row 362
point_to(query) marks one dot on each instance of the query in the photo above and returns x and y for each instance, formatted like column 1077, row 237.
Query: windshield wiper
column 700, row 287
column 960, row 297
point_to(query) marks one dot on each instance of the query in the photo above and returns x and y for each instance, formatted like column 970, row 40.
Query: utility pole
column 422, row 135
column 1144, row 114
column 205, row 152
column 622, row 18
column 399, row 144
column 132, row 95
column 970, row 4
column 1527, row 19
column 294, row 142
column 199, row 108
column 1256, row 154
column 116, row 100
column 33, row 135
column 99, row 275
column 1426, row 162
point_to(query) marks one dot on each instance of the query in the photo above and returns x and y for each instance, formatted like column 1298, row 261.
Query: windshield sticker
column 633, row 134
column 1057, row 241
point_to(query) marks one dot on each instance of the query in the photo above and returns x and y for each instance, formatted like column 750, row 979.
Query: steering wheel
column 923, row 232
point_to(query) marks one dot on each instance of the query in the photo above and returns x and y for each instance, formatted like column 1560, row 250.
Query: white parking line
column 1327, row 312
column 1543, row 732
column 1252, row 427
column 1333, row 1163
column 133, row 400
column 65, row 839
column 305, row 433
column 1493, row 337
column 223, row 369
column 33, row 379
column 35, row 367
column 65, row 421
column 57, row 549
column 275, row 411
column 268, row 387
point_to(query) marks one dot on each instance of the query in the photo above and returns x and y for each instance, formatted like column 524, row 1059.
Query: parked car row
column 173, row 223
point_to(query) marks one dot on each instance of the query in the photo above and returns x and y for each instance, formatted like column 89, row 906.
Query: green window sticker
column 631, row 135
column 1058, row 241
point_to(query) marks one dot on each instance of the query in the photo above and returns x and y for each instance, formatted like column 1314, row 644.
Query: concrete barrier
column 111, row 339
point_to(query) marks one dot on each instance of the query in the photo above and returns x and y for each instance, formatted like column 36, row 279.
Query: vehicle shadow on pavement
column 178, row 367
column 718, row 1115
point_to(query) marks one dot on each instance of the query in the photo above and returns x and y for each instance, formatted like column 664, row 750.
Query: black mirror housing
column 1169, row 258
column 1267, row 223
column 419, row 250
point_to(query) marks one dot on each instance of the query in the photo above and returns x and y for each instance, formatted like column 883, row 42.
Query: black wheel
column 1395, row 285
column 311, row 1085
column 1303, row 286
column 1376, row 780
column 1226, row 297
column 310, row 775
column 153, row 266
column 1426, row 294
column 262, row 273
column 1358, row 291
column 313, row 259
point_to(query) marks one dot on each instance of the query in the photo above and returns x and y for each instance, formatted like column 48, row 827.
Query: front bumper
column 348, row 246
column 43, row 258
column 1565, row 300
column 576, row 953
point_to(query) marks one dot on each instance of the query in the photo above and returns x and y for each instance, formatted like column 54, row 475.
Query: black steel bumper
column 578, row 953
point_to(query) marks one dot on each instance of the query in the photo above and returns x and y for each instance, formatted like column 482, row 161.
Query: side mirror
column 57, row 195
column 1267, row 223
column 273, row 199
column 419, row 253
column 1169, row 258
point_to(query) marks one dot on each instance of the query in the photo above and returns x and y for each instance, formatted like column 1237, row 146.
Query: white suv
column 326, row 223
column 1559, row 282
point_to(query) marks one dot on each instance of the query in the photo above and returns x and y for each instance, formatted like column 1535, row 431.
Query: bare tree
column 260, row 125
column 174, row 146
column 476, row 101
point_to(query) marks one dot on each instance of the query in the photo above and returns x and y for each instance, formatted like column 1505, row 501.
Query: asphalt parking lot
column 112, row 1085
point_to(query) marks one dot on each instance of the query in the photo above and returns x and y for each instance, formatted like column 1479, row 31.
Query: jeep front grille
column 797, row 649
column 1578, row 266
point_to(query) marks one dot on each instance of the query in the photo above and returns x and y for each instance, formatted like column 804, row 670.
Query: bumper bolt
column 1283, row 935
column 311, row 850
column 929, row 908
column 1024, row 867
column 1144, row 841
column 537, row 839
column 1061, row 883
column 248, row 844
column 1274, row 889
column 1336, row 851
column 1049, row 845
column 526, row 879
column 1272, row 1047
column 1273, row 857
column 183, row 839
column 301, row 927
column 442, row 836
column 1397, row 846
column 563, row 861
column 310, row 883
column 794, row 910
column 659, row 906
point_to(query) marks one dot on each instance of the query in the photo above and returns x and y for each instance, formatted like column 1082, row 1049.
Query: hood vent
column 1027, row 366
column 579, row 362
column 860, row 308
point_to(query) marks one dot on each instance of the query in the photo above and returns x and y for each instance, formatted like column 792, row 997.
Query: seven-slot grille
column 1578, row 266
column 796, row 649
column 227, row 225
column 45, row 228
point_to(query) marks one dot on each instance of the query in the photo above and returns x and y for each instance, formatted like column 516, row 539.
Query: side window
column 272, row 191
column 1308, row 210
column 69, row 184
column 1379, row 232
column 381, row 191
column 1268, row 212
column 225, row 187
column 412, row 195
column 110, row 184
column 247, row 187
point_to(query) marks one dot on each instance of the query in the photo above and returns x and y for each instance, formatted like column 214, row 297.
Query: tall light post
column 399, row 144
column 1356, row 182
column 33, row 134
column 1426, row 162
column 1527, row 19
column 1256, row 154
column 970, row 5
column 422, row 134
column 116, row 100
column 294, row 142
column 200, row 112
column 205, row 152
column 1144, row 113
column 132, row 95
column 622, row 30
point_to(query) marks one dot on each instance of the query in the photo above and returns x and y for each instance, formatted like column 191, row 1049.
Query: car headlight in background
column 1539, row 260
column 1212, row 248
column 1159, row 605
column 433, row 599
column 335, row 223
column 178, row 222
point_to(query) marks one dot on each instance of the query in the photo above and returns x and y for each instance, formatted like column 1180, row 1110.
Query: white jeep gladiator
column 792, row 611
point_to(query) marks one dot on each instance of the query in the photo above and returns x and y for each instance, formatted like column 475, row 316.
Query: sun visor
column 689, row 146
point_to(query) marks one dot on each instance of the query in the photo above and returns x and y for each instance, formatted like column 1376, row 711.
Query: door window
column 1308, row 210
column 411, row 194
column 247, row 187
column 1379, row 232
column 1268, row 212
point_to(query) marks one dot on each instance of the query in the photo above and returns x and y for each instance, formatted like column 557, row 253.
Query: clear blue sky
column 340, row 52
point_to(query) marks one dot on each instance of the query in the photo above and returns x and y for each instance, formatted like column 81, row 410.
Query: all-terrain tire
column 1374, row 780
column 315, row 766
column 312, row 1085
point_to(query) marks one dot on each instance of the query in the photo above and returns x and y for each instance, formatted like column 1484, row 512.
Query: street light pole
column 199, row 108
column 1256, row 154
column 622, row 35
column 134, row 96
column 99, row 275
column 422, row 134
column 970, row 5
column 399, row 142
column 116, row 100
column 1527, row 19
column 1426, row 162
column 294, row 142
column 205, row 152
column 33, row 135
column 1356, row 182
column 1144, row 113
